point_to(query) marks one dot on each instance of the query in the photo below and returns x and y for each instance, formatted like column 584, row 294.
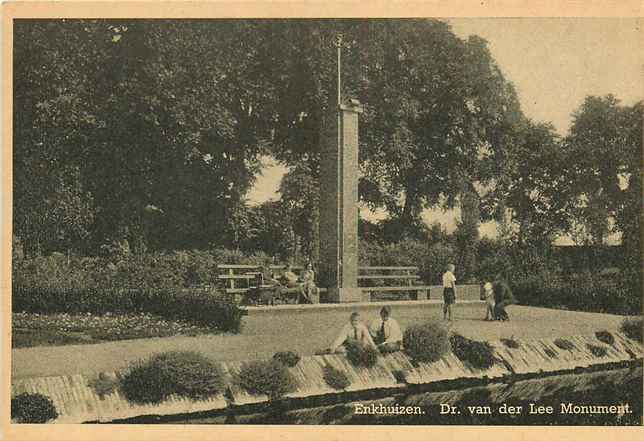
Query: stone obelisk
column 339, row 197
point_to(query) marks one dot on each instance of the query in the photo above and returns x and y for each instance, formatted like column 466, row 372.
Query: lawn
column 30, row 330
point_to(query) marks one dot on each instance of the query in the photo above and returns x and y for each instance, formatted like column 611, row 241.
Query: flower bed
column 29, row 329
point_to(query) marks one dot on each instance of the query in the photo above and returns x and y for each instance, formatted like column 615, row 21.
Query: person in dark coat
column 502, row 298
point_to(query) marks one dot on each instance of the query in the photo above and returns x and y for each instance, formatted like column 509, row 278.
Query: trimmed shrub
column 400, row 375
column 184, row 373
column 266, row 377
column 605, row 337
column 103, row 385
column 477, row 353
column 287, row 358
column 335, row 378
column 510, row 343
column 32, row 408
column 564, row 344
column 597, row 351
column 361, row 355
column 426, row 342
column 549, row 352
column 632, row 328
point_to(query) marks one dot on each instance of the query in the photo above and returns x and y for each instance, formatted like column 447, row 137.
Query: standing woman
column 449, row 291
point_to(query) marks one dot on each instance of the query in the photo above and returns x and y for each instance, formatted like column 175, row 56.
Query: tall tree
column 531, row 189
column 604, row 157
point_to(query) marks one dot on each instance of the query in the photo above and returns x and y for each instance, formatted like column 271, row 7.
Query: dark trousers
column 499, row 310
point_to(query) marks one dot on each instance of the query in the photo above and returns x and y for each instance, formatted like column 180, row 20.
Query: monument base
column 346, row 295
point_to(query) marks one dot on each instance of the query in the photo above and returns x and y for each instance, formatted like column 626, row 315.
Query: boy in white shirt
column 386, row 332
column 355, row 330
column 449, row 291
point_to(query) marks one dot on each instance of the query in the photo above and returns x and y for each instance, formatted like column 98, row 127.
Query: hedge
column 193, row 306
column 178, row 269
column 579, row 292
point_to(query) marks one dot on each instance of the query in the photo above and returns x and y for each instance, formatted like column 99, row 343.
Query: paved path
column 304, row 331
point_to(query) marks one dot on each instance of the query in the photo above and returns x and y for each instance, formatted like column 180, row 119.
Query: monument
column 339, row 210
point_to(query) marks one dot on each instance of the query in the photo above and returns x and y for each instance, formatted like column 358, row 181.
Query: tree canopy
column 152, row 131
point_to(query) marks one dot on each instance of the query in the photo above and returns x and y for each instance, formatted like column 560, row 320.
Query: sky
column 553, row 64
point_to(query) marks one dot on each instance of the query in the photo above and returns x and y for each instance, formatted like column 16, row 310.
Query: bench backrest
column 406, row 274
column 233, row 273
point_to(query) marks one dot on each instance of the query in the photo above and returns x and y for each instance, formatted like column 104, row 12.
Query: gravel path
column 304, row 331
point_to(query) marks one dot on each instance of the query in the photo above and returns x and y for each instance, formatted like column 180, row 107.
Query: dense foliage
column 427, row 342
column 596, row 350
column 510, row 343
column 133, row 136
column 32, row 408
column 335, row 378
column 193, row 306
column 632, row 327
column 184, row 373
column 477, row 353
column 361, row 355
column 287, row 358
column 564, row 344
column 267, row 377
column 605, row 337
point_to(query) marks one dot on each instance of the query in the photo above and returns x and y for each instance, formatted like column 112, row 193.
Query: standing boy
column 488, row 293
column 449, row 291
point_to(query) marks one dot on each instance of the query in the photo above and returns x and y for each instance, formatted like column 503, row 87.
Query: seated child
column 354, row 330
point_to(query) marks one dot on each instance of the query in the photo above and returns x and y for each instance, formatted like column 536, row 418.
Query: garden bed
column 30, row 329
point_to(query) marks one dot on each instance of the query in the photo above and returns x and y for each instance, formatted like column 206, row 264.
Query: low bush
column 597, row 351
column 184, row 373
column 605, row 337
column 632, row 328
column 266, row 377
column 335, row 378
column 103, row 385
column 400, row 375
column 549, row 352
column 510, row 343
column 564, row 344
column 32, row 408
column 426, row 342
column 479, row 354
column 361, row 355
column 287, row 358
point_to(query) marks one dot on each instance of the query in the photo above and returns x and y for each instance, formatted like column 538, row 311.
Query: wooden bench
column 406, row 274
column 239, row 280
